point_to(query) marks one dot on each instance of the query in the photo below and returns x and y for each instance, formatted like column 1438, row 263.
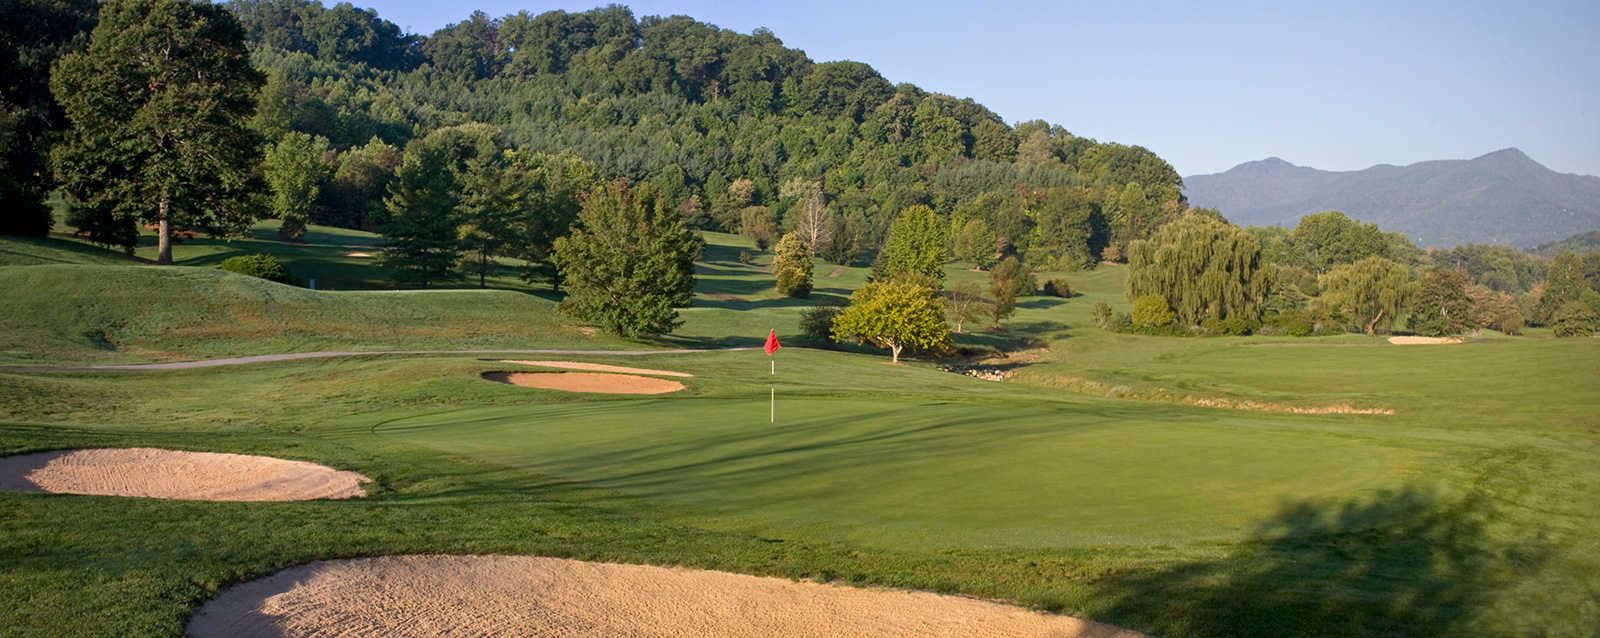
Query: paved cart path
column 233, row 361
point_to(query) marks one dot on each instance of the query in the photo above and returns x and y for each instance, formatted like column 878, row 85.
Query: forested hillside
column 695, row 110
column 1504, row 197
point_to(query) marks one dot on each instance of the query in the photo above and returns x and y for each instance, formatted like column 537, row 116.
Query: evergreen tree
column 894, row 315
column 1574, row 319
column 1443, row 307
column 916, row 244
column 1375, row 292
column 295, row 172
column 421, row 243
column 1565, row 283
column 630, row 261
column 159, row 103
column 492, row 195
column 1203, row 267
column 792, row 267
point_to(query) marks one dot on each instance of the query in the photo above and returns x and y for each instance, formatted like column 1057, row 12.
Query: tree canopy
column 1375, row 292
column 894, row 315
column 916, row 245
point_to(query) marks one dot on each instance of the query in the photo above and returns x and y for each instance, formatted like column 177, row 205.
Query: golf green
column 898, row 472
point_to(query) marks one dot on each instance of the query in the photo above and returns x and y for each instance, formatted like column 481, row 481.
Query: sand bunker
column 194, row 476
column 598, row 367
column 586, row 382
column 1422, row 341
column 530, row 596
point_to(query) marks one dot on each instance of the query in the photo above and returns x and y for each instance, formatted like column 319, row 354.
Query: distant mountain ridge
column 1504, row 197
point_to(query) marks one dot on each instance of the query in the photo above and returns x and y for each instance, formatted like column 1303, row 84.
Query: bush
column 744, row 257
column 257, row 265
column 1293, row 324
column 1103, row 315
column 1057, row 288
column 1152, row 311
column 816, row 322
column 1238, row 326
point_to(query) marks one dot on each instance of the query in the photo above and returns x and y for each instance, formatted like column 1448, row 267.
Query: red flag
column 772, row 343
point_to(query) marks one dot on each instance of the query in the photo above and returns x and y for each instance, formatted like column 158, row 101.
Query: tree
column 295, row 172
column 894, row 315
column 757, row 224
column 1443, row 307
column 630, row 262
column 159, row 103
column 974, row 244
column 33, row 35
column 1009, row 280
column 1564, row 283
column 548, row 206
column 809, row 215
column 492, row 195
column 965, row 303
column 1331, row 238
column 420, row 236
column 1575, row 319
column 1152, row 311
column 792, row 267
column 916, row 244
column 1374, row 291
column 1495, row 309
column 1204, row 268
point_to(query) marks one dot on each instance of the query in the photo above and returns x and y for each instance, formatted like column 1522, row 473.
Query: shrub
column 1057, row 288
column 1103, row 315
column 1152, row 311
column 816, row 322
column 792, row 267
column 257, row 265
column 1238, row 326
column 744, row 257
column 1294, row 324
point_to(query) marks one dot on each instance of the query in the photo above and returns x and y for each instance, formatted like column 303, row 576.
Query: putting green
column 903, row 473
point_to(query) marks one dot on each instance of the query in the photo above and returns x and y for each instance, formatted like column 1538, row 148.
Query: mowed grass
column 1470, row 511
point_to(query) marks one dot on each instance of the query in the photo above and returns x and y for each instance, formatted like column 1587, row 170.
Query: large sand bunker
column 530, row 596
column 586, row 382
column 1422, row 341
column 598, row 367
column 194, row 476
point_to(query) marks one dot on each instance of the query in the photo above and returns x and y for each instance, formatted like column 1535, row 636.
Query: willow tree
column 1202, row 267
column 1374, row 291
column 159, row 104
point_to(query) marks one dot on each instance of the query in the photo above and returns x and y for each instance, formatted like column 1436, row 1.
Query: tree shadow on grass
column 1405, row 563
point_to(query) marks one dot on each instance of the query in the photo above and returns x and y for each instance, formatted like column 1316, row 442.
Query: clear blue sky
column 1207, row 85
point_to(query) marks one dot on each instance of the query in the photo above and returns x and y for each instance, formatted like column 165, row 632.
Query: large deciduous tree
column 808, row 215
column 1203, row 267
column 159, row 104
column 916, row 244
column 1331, row 238
column 630, row 262
column 1374, row 291
column 1443, row 307
column 894, row 315
column 1565, row 283
column 33, row 34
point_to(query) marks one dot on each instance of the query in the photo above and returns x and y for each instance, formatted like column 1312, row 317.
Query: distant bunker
column 190, row 476
column 586, row 382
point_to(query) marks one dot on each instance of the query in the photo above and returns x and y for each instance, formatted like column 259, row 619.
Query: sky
column 1209, row 85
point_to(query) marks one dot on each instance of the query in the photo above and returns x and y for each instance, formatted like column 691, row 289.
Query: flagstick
column 772, row 416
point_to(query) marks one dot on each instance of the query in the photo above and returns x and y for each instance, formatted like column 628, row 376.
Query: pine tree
column 421, row 243
column 159, row 104
column 630, row 262
column 792, row 267
column 1203, row 267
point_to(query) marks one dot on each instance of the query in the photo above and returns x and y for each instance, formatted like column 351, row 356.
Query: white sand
column 586, row 382
column 1422, row 341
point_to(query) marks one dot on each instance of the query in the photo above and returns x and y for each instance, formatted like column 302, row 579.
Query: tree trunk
column 1374, row 322
column 483, row 267
column 895, row 353
column 164, row 237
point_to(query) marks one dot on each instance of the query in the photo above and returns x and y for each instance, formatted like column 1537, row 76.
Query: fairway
column 892, row 473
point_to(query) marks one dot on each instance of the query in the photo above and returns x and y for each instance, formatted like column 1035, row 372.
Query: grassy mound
column 33, row 251
column 114, row 314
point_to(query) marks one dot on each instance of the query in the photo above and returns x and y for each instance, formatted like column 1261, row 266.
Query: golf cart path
column 264, row 358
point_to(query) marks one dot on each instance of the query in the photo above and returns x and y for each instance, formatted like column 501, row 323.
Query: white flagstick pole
column 772, row 408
